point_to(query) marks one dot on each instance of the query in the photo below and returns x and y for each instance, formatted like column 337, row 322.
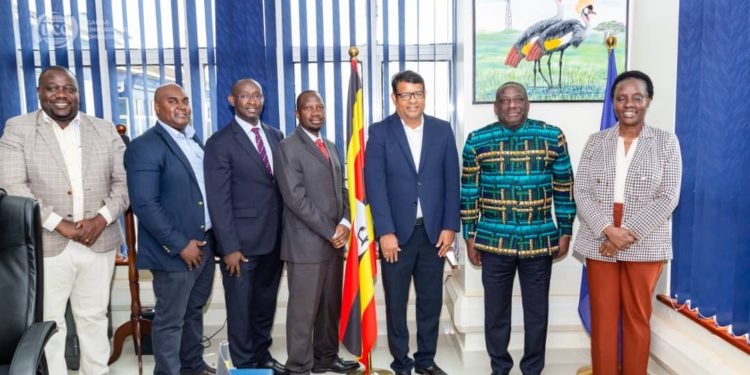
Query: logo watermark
column 56, row 29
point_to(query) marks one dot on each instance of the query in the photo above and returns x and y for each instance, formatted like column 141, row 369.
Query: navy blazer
column 166, row 198
column 243, row 198
column 393, row 184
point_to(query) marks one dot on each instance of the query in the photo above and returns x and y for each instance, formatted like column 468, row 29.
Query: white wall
column 653, row 36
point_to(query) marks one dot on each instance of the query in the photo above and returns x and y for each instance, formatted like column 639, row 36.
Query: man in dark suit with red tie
column 245, row 207
column 316, row 228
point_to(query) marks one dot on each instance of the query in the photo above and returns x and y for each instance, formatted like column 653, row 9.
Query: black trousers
column 417, row 259
column 251, row 305
column 498, row 272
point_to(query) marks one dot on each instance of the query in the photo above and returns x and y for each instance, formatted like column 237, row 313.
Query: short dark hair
column 303, row 93
column 508, row 84
column 634, row 74
column 56, row 68
column 406, row 76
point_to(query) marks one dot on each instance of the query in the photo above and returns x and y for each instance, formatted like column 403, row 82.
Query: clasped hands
column 85, row 231
column 618, row 239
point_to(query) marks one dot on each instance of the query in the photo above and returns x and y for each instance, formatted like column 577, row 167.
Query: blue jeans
column 177, row 329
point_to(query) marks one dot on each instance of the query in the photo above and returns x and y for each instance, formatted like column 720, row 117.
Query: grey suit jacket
column 652, row 190
column 32, row 165
column 315, row 198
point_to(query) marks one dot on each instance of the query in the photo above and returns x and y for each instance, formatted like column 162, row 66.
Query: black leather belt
column 419, row 221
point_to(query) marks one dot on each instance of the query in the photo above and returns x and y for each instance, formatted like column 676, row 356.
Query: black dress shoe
column 432, row 370
column 206, row 371
column 403, row 372
column 338, row 365
column 278, row 368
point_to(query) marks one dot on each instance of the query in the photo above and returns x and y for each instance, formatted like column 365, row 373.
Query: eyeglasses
column 518, row 100
column 54, row 89
column 406, row 96
column 256, row 97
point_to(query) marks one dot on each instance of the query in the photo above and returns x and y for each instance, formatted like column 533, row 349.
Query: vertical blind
column 120, row 52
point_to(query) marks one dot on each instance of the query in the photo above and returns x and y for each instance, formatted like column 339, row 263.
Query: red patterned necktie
column 323, row 149
column 262, row 149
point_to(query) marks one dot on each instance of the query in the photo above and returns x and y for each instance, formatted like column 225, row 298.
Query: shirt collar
column 176, row 134
column 311, row 135
column 417, row 129
column 74, row 123
column 246, row 126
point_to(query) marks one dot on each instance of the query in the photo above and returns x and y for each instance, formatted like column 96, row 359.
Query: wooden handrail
column 707, row 323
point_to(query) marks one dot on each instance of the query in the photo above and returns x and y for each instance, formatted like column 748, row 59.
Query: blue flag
column 608, row 120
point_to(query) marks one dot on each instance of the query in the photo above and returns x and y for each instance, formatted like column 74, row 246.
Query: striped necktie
column 262, row 150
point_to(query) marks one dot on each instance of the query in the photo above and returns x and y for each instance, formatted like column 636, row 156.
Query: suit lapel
column 643, row 147
column 397, row 129
column 177, row 151
column 272, row 141
column 87, row 144
column 312, row 148
column 609, row 153
column 48, row 135
column 427, row 137
column 245, row 142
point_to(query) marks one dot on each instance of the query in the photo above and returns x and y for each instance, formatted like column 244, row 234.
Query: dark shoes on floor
column 278, row 368
column 432, row 370
column 338, row 365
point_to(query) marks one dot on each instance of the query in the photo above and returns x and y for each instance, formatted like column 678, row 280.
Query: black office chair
column 22, row 332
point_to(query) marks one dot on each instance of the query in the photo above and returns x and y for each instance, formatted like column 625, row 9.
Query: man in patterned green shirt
column 513, row 172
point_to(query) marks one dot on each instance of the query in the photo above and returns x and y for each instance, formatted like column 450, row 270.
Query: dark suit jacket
column 393, row 184
column 315, row 198
column 243, row 198
column 166, row 198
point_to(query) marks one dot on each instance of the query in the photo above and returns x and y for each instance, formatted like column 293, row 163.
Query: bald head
column 247, row 100
column 172, row 106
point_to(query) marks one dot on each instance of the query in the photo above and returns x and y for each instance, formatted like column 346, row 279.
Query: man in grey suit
column 314, row 231
column 72, row 164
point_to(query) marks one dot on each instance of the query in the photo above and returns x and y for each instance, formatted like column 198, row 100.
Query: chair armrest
column 30, row 348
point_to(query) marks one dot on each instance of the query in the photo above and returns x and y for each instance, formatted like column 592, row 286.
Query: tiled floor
column 559, row 362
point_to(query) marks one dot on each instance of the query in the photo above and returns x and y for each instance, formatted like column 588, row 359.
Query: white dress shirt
column 248, row 129
column 622, row 165
column 414, row 137
column 69, row 140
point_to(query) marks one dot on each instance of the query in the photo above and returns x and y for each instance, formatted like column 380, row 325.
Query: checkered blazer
column 32, row 165
column 652, row 190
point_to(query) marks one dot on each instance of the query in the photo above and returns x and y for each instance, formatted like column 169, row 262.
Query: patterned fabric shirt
column 509, row 182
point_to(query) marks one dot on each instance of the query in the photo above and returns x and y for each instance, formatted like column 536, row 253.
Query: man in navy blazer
column 175, row 241
column 412, row 181
column 245, row 206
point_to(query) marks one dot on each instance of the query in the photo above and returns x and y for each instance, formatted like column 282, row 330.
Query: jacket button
column 419, row 184
column 202, row 226
column 70, row 192
column 200, row 203
column 69, row 215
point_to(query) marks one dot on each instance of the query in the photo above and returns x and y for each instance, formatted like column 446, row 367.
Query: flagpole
column 365, row 345
column 610, row 41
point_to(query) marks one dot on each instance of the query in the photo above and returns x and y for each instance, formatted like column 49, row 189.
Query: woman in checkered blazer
column 627, row 185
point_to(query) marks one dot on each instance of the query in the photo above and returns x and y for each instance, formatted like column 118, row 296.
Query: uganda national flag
column 358, row 328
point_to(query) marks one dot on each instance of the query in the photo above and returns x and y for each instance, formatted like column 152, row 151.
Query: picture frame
column 555, row 48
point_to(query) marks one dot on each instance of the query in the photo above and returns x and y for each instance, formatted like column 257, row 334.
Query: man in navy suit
column 412, row 181
column 245, row 207
column 175, row 241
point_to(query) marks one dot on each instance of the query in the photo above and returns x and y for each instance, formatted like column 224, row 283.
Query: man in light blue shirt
column 175, row 241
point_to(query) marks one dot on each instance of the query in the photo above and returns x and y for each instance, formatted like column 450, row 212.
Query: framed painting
column 555, row 48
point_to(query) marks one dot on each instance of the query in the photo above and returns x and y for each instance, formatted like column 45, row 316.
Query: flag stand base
column 585, row 370
column 373, row 371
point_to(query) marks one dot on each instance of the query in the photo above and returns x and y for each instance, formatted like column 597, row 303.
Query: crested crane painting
column 553, row 47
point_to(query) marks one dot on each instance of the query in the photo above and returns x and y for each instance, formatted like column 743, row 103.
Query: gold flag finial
column 611, row 42
column 353, row 52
